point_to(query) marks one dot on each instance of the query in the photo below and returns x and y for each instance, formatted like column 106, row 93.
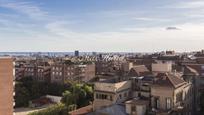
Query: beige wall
column 166, row 92
column 162, row 93
column 126, row 66
column 118, row 91
column 90, row 72
column 162, row 67
column 6, row 86
column 98, row 103
column 187, row 96
column 140, row 109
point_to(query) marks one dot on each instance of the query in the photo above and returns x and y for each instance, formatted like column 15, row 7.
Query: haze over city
column 107, row 25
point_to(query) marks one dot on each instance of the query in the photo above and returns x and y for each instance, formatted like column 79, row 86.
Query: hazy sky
column 101, row 25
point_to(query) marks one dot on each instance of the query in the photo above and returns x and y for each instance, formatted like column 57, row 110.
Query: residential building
column 136, row 106
column 43, row 74
column 164, row 93
column 109, row 93
column 171, row 94
column 162, row 67
column 56, row 73
column 6, row 85
column 38, row 73
column 60, row 72
column 139, row 70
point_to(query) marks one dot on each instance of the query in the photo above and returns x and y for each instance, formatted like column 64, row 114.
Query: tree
column 79, row 94
column 68, row 62
column 58, row 109
column 89, row 92
column 67, row 98
column 22, row 96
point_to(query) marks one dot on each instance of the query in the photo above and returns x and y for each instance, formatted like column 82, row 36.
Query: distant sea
column 42, row 53
column 59, row 53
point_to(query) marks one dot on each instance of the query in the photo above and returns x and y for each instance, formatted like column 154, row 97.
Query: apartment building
column 30, row 70
column 141, row 86
column 171, row 94
column 43, row 73
column 193, row 77
column 110, row 67
column 6, row 86
column 164, row 93
column 86, row 72
column 39, row 73
column 109, row 93
column 61, row 72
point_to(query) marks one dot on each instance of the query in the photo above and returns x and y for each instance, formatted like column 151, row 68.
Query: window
column 168, row 103
column 104, row 96
column 111, row 98
column 156, row 101
column 133, row 108
column 125, row 94
column 179, row 97
column 185, row 95
column 97, row 96
column 120, row 96
column 101, row 96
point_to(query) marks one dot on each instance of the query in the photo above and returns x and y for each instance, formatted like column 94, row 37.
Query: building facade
column 60, row 73
column 6, row 86
column 106, row 94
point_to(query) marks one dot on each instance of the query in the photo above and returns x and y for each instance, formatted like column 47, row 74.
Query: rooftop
column 137, row 101
column 171, row 80
column 82, row 111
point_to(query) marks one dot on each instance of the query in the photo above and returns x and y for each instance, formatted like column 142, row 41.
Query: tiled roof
column 190, row 70
column 82, row 111
column 139, row 70
column 114, row 109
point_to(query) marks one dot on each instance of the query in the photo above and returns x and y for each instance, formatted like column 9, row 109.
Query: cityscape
column 107, row 57
column 162, row 83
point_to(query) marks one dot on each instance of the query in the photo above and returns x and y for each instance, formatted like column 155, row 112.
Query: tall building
column 76, row 53
column 6, row 85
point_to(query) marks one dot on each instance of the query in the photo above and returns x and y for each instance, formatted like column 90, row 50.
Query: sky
column 101, row 25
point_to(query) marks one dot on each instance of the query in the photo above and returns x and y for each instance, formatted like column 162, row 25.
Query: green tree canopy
column 67, row 98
